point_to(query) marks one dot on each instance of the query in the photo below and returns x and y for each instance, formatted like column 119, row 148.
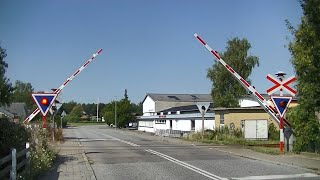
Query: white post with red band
column 57, row 91
column 263, row 103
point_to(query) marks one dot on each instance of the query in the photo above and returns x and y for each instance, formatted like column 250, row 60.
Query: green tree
column 77, row 111
column 108, row 113
column 67, row 107
column 226, row 90
column 5, row 86
column 22, row 93
column 305, row 50
column 137, row 108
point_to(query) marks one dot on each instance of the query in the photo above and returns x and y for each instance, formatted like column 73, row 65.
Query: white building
column 176, row 112
column 180, row 112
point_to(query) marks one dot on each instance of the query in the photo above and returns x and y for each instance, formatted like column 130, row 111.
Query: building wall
column 235, row 117
column 147, row 126
column 162, row 126
column 248, row 102
column 182, row 125
column 149, row 106
column 208, row 124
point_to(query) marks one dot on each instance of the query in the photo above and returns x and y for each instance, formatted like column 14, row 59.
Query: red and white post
column 281, row 75
column 44, row 122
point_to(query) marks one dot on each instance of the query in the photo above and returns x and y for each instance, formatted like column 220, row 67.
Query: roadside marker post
column 66, row 82
column 44, row 102
column 281, row 103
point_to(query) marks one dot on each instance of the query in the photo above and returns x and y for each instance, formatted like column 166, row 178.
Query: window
column 160, row 121
column 174, row 97
column 221, row 118
column 194, row 97
column 193, row 124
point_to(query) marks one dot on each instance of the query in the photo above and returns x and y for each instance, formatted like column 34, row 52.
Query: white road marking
column 88, row 140
column 114, row 138
column 306, row 175
column 186, row 165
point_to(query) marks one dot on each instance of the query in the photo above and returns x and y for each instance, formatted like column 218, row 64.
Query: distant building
column 180, row 112
column 175, row 111
column 19, row 110
column 6, row 114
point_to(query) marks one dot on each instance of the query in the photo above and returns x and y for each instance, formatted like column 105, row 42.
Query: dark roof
column 19, row 109
column 238, row 108
column 266, row 96
column 185, row 108
column 6, row 113
column 180, row 97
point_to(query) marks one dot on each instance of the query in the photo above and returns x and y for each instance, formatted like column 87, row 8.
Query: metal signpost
column 263, row 103
column 281, row 103
column 203, row 107
column 57, row 91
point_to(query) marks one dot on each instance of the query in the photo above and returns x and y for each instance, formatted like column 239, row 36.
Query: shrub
column 41, row 155
column 12, row 135
column 71, row 118
column 273, row 133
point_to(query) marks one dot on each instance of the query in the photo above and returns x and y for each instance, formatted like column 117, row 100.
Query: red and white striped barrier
column 67, row 81
column 263, row 103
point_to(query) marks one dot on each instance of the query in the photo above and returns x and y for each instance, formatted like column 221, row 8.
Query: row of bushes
column 15, row 135
column 228, row 136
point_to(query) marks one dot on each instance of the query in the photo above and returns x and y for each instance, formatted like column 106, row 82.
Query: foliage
column 305, row 50
column 305, row 128
column 226, row 90
column 12, row 135
column 41, row 155
column 77, row 111
column 5, row 86
column 90, row 108
column 137, row 108
column 273, row 133
column 125, row 111
column 108, row 113
column 71, row 118
column 22, row 93
column 67, row 107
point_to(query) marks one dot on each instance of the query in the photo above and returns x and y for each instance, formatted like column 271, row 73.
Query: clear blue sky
column 148, row 46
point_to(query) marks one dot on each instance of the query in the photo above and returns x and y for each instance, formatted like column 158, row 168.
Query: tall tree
column 108, row 112
column 22, row 93
column 5, row 86
column 67, row 107
column 226, row 91
column 77, row 111
column 305, row 50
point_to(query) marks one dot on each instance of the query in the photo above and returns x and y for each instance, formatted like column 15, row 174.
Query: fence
column 170, row 133
column 15, row 167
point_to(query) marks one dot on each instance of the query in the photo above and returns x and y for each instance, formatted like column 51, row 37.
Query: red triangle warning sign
column 44, row 101
column 281, row 103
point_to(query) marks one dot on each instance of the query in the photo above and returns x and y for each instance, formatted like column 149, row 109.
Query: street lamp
column 115, row 112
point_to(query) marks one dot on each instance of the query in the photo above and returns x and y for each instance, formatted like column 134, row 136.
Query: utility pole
column 98, row 110
column 115, row 113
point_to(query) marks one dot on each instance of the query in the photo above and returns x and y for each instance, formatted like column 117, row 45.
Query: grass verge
column 77, row 124
column 266, row 150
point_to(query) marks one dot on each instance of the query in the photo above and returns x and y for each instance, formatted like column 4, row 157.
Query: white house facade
column 175, row 112
column 180, row 112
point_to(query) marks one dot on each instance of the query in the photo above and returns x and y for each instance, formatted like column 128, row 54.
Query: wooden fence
column 14, row 167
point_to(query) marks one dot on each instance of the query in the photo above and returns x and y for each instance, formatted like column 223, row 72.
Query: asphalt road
column 117, row 154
